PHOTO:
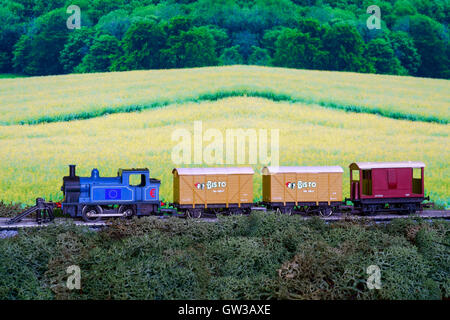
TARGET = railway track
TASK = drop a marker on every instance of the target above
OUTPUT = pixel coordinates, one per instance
(31, 222)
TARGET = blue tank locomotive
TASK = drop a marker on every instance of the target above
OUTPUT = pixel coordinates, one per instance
(95, 197)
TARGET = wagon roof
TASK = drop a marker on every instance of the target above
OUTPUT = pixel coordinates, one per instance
(212, 171)
(380, 165)
(329, 169)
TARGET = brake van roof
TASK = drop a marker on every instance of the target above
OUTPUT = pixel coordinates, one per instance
(387, 165)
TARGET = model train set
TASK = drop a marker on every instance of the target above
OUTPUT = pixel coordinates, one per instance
(375, 187)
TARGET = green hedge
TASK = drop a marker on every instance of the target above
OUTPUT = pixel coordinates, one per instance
(264, 256)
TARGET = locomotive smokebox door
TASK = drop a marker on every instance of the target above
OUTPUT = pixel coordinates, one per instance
(71, 189)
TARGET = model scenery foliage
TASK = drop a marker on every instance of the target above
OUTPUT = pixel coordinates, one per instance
(263, 256)
(158, 34)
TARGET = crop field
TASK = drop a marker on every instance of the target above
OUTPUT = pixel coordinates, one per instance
(35, 157)
(62, 98)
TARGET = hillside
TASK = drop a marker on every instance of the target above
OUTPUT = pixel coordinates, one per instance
(398, 37)
(62, 98)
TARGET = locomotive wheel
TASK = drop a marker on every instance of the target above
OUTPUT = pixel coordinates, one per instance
(194, 213)
(326, 211)
(88, 211)
(127, 210)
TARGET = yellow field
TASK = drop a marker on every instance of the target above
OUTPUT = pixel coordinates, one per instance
(38, 99)
(35, 157)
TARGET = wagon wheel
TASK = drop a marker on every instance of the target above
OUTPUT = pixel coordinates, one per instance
(412, 209)
(194, 213)
(219, 212)
(326, 212)
(365, 209)
(373, 209)
(307, 210)
(88, 211)
(287, 211)
(236, 212)
(127, 211)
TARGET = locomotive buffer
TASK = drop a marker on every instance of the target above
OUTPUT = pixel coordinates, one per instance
(44, 212)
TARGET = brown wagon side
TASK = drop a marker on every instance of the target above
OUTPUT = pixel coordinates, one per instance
(196, 190)
(387, 186)
(317, 188)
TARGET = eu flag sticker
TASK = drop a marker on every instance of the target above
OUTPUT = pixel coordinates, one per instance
(113, 194)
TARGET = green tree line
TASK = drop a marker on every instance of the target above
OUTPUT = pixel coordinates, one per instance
(119, 35)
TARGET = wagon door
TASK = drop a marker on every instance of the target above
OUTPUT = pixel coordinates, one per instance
(216, 188)
(199, 190)
(404, 182)
(245, 188)
(233, 189)
(322, 187)
(307, 187)
(392, 178)
(186, 189)
(290, 187)
(277, 188)
(335, 186)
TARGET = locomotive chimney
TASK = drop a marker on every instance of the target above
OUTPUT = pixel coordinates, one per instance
(72, 170)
